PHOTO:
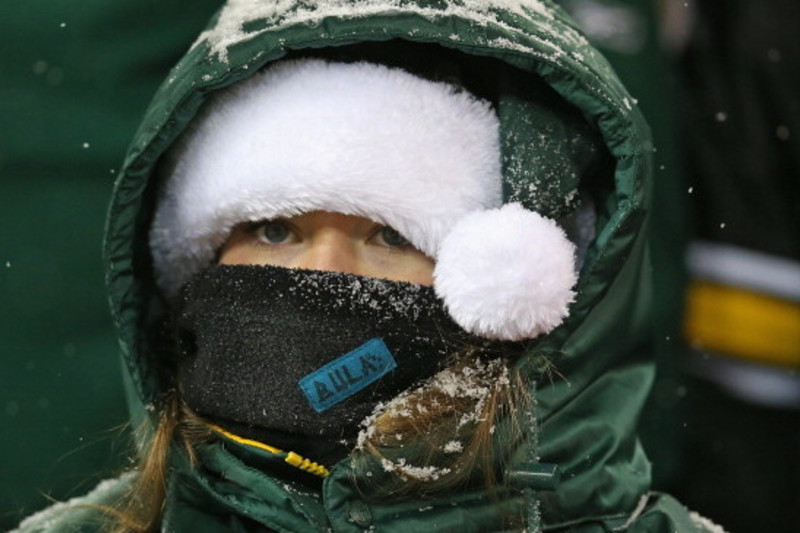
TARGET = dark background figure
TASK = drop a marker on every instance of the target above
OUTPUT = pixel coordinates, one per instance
(741, 71)
(74, 80)
(721, 90)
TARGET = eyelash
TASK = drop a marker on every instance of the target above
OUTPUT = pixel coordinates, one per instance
(257, 229)
(379, 232)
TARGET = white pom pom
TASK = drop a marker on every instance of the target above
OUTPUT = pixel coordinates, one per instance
(506, 273)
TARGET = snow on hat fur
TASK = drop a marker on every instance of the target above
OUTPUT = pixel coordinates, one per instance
(363, 139)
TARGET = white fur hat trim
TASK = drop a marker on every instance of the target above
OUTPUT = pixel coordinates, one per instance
(359, 139)
(506, 273)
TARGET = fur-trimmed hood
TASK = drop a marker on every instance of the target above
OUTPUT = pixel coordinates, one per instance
(590, 374)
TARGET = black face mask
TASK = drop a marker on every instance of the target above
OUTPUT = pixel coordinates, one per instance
(298, 358)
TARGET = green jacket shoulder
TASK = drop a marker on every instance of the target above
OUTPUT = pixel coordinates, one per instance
(83, 514)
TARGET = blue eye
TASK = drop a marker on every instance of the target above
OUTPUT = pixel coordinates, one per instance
(392, 237)
(274, 231)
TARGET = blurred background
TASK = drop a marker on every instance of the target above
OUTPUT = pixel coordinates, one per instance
(74, 79)
(719, 84)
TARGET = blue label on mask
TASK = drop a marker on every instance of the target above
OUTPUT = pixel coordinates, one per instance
(345, 376)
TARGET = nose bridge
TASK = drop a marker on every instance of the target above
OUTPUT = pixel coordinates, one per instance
(332, 251)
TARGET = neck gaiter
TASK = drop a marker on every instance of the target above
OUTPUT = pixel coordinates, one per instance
(298, 358)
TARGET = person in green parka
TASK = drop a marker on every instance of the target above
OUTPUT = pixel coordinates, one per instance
(381, 266)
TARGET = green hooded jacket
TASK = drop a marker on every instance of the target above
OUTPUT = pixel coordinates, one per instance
(580, 466)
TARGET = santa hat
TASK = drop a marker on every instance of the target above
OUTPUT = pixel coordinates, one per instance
(363, 139)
